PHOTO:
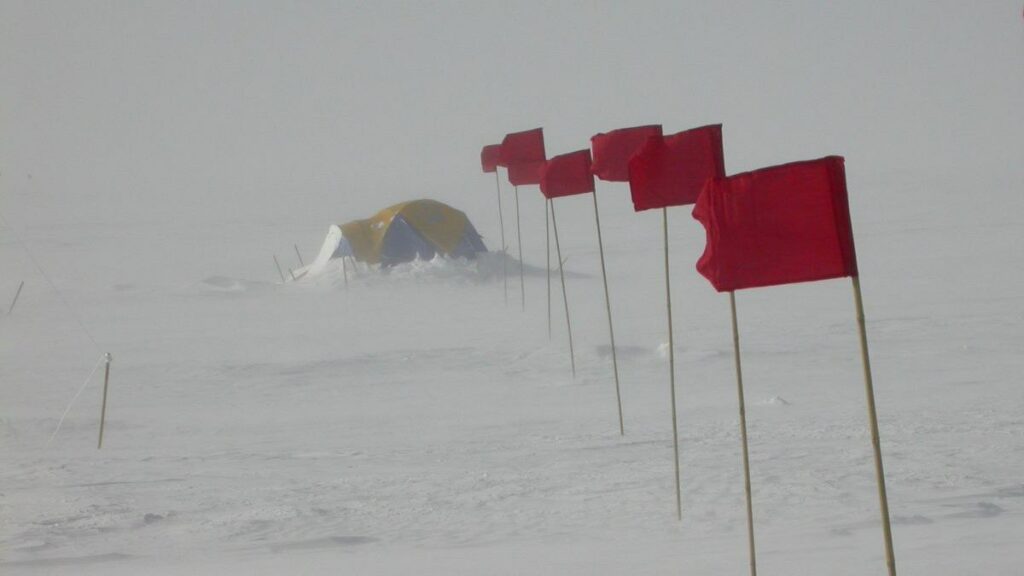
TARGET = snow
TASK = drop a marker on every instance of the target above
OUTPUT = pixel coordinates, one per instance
(414, 422)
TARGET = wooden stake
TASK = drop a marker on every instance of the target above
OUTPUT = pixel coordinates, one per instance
(278, 264)
(743, 435)
(301, 263)
(103, 409)
(18, 293)
(565, 296)
(519, 238)
(501, 224)
(344, 271)
(608, 305)
(672, 368)
(547, 249)
(883, 500)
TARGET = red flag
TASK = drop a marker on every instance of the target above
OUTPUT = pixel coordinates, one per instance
(522, 147)
(489, 157)
(777, 225)
(525, 173)
(672, 170)
(613, 150)
(567, 174)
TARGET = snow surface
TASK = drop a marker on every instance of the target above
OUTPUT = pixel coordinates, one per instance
(415, 423)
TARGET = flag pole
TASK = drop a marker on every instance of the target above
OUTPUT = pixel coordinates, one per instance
(547, 249)
(608, 305)
(883, 500)
(672, 367)
(519, 239)
(501, 224)
(565, 296)
(743, 434)
(103, 409)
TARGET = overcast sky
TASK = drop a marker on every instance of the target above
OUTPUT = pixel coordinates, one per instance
(218, 110)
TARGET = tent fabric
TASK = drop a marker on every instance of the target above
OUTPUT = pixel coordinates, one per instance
(411, 230)
(777, 225)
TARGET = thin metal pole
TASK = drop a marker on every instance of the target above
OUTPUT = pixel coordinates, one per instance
(103, 410)
(672, 368)
(292, 274)
(565, 296)
(547, 249)
(344, 271)
(501, 224)
(301, 263)
(18, 293)
(519, 238)
(278, 264)
(883, 500)
(608, 305)
(743, 435)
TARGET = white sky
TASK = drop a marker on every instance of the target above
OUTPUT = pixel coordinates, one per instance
(207, 111)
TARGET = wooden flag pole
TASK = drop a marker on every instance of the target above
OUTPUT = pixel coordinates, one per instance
(547, 249)
(519, 239)
(883, 500)
(501, 225)
(743, 434)
(608, 305)
(672, 367)
(278, 264)
(20, 286)
(565, 296)
(296, 246)
(103, 409)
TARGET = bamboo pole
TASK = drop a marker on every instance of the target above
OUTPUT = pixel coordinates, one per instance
(103, 409)
(519, 239)
(743, 435)
(565, 296)
(547, 250)
(279, 272)
(22, 284)
(296, 246)
(501, 225)
(672, 368)
(883, 500)
(608, 305)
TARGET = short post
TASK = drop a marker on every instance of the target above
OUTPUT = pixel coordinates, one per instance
(883, 500)
(15, 301)
(301, 263)
(672, 368)
(103, 409)
(565, 296)
(743, 435)
(278, 264)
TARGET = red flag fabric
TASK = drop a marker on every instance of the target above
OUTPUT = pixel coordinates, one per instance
(672, 170)
(522, 147)
(567, 174)
(777, 225)
(489, 157)
(613, 150)
(525, 173)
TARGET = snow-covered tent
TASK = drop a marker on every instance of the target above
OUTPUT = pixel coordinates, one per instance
(401, 233)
